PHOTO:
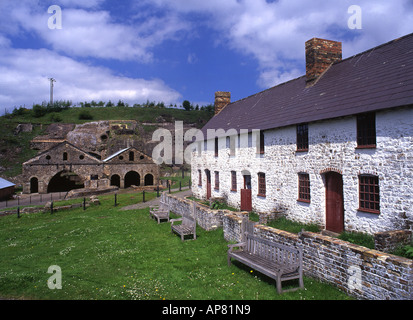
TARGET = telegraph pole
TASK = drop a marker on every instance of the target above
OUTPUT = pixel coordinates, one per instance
(51, 90)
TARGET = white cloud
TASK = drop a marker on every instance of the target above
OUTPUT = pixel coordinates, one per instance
(25, 74)
(274, 33)
(94, 33)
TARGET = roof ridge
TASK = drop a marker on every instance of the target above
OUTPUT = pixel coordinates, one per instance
(375, 48)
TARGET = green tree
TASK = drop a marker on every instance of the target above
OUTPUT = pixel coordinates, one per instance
(187, 105)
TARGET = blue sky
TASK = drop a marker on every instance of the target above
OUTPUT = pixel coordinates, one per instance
(175, 50)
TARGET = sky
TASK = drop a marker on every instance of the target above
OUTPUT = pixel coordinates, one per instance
(174, 50)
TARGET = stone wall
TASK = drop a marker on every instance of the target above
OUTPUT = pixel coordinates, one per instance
(332, 147)
(389, 240)
(206, 218)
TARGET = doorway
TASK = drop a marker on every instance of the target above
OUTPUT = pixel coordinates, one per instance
(208, 186)
(246, 194)
(334, 202)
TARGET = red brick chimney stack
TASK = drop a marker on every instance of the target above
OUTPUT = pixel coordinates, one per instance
(222, 99)
(320, 54)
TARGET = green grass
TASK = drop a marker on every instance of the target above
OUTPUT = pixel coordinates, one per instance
(71, 115)
(108, 253)
(360, 239)
(292, 226)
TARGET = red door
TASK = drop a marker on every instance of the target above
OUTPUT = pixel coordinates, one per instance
(246, 194)
(334, 202)
(208, 186)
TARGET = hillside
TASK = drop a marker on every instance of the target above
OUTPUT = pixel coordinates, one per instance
(101, 130)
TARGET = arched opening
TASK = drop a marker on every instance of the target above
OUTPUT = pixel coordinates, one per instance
(65, 181)
(149, 180)
(132, 178)
(115, 181)
(34, 185)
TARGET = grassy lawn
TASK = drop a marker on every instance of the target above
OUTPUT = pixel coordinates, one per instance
(107, 253)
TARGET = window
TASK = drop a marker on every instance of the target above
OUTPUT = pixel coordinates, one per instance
(64, 156)
(199, 178)
(233, 181)
(262, 145)
(216, 180)
(131, 156)
(304, 187)
(366, 130)
(369, 194)
(302, 137)
(261, 184)
(216, 147)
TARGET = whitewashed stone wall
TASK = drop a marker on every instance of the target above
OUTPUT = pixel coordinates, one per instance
(332, 147)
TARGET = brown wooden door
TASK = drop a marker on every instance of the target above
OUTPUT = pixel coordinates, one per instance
(208, 186)
(246, 194)
(334, 202)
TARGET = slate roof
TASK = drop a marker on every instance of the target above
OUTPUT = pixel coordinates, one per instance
(376, 79)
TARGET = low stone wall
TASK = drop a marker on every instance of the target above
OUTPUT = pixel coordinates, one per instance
(206, 218)
(389, 240)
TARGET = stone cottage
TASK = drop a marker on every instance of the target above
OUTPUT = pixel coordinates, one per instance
(333, 147)
(65, 167)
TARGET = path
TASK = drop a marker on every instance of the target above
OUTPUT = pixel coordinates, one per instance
(155, 201)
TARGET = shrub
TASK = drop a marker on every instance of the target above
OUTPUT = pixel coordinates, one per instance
(85, 115)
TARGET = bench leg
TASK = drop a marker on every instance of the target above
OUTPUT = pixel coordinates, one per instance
(301, 282)
(279, 286)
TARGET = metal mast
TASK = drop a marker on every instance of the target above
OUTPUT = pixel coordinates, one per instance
(51, 90)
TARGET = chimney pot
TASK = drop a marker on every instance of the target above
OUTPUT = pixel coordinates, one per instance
(222, 99)
(320, 54)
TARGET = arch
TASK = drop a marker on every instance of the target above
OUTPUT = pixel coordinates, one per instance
(64, 181)
(115, 180)
(132, 178)
(149, 179)
(34, 185)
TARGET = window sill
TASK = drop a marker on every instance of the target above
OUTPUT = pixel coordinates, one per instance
(233, 190)
(301, 150)
(368, 210)
(304, 200)
(261, 195)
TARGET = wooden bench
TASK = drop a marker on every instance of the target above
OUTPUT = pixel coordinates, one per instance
(277, 261)
(188, 225)
(159, 212)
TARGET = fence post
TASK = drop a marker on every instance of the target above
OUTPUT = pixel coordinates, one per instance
(84, 203)
(18, 212)
(116, 195)
(143, 195)
(51, 207)
(157, 191)
(179, 185)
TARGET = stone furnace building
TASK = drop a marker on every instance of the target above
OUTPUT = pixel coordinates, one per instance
(65, 167)
(333, 147)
